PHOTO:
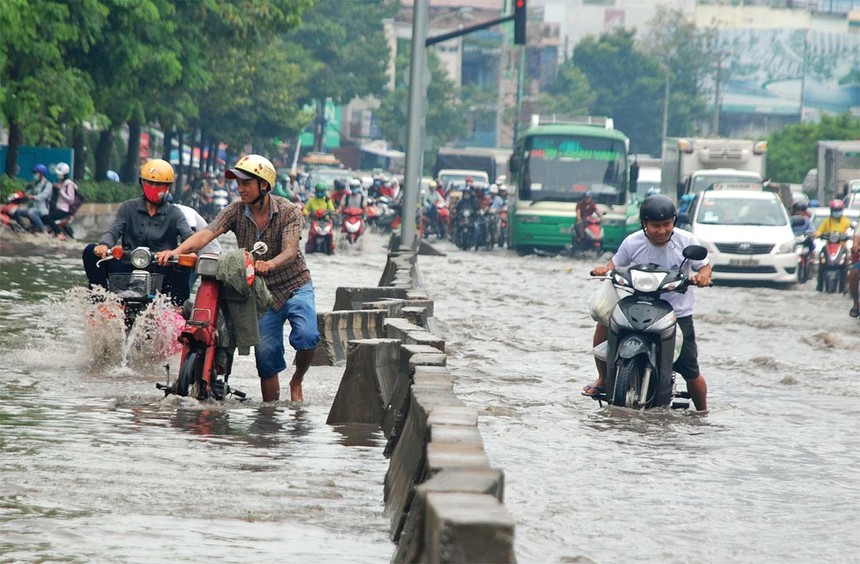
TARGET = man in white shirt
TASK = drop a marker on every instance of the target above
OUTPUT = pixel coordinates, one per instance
(662, 244)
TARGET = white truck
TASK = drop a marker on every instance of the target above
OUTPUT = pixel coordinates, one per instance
(691, 165)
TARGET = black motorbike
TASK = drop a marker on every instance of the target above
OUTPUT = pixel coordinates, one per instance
(466, 229)
(643, 330)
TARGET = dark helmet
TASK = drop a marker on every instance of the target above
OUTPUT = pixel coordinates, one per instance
(657, 208)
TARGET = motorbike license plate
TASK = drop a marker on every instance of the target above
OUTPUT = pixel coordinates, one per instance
(743, 262)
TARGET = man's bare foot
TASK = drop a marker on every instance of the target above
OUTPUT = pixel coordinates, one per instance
(593, 389)
(296, 391)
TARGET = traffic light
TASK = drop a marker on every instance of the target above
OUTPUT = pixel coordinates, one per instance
(519, 22)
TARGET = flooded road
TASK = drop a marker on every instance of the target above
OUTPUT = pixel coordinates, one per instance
(770, 474)
(95, 467)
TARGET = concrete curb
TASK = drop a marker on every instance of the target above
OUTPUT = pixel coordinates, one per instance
(443, 498)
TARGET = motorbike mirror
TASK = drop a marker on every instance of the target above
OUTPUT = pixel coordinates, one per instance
(684, 219)
(797, 220)
(695, 252)
(260, 248)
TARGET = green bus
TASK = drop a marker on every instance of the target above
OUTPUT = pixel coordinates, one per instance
(552, 167)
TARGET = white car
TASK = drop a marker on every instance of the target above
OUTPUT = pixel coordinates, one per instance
(748, 235)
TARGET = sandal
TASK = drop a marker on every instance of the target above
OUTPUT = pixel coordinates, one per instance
(592, 391)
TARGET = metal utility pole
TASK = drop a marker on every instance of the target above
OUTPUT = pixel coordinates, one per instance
(415, 124)
(715, 122)
(665, 128)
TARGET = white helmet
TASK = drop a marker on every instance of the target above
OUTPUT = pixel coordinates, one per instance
(494, 188)
(62, 169)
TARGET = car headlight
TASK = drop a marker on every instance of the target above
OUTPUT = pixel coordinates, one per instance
(788, 246)
(141, 258)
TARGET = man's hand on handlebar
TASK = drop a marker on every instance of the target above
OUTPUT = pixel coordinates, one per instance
(263, 266)
(602, 270)
(701, 279)
(101, 251)
(163, 257)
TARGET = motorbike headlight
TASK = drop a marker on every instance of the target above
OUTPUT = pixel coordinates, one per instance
(141, 258)
(788, 246)
(646, 281)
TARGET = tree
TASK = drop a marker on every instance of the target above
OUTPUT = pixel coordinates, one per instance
(685, 50)
(627, 85)
(793, 150)
(570, 94)
(39, 92)
(348, 42)
(446, 116)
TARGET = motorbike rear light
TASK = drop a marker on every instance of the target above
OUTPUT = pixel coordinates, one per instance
(117, 252)
(207, 266)
(188, 260)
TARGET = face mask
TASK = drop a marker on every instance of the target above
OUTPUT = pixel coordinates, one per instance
(320, 194)
(154, 194)
(36, 177)
(837, 214)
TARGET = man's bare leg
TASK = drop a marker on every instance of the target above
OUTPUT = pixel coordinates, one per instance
(698, 390)
(601, 334)
(303, 362)
(271, 388)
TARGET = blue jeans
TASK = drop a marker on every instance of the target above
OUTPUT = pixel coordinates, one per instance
(300, 311)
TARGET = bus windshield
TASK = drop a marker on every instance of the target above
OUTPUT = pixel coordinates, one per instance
(563, 168)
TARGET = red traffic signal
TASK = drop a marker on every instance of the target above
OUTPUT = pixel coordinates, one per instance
(519, 22)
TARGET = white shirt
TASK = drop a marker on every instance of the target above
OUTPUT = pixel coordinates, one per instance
(638, 249)
(196, 222)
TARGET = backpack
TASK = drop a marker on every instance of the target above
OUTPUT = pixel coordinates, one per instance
(77, 202)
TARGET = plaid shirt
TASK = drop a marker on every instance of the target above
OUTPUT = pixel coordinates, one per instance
(284, 224)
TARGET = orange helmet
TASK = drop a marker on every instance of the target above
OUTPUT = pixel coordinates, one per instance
(157, 170)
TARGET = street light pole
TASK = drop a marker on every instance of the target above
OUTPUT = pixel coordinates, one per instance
(415, 124)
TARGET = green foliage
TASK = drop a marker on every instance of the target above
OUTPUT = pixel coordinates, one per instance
(793, 150)
(569, 95)
(685, 50)
(627, 85)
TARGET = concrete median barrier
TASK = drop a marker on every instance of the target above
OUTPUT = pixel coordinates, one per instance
(443, 499)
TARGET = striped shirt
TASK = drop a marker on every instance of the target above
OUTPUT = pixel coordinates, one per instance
(284, 224)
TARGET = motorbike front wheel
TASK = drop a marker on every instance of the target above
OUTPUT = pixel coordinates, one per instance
(627, 382)
(190, 380)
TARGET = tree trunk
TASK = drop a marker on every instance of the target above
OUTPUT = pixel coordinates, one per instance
(131, 163)
(193, 145)
(180, 168)
(168, 144)
(213, 155)
(320, 127)
(103, 153)
(16, 139)
(80, 149)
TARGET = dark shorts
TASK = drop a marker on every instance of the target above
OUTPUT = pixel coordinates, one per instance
(687, 364)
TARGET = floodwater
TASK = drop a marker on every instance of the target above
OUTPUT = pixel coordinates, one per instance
(769, 474)
(96, 467)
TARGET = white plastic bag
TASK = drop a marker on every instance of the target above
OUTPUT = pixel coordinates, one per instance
(602, 302)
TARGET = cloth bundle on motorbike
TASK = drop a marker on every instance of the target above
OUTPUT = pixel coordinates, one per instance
(243, 305)
(602, 302)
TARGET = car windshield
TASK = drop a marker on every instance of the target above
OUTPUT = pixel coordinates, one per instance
(564, 168)
(459, 179)
(741, 211)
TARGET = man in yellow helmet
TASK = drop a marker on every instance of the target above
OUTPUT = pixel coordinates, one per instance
(149, 221)
(260, 216)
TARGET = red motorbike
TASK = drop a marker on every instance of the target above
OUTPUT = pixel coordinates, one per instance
(833, 264)
(321, 233)
(9, 211)
(203, 362)
(592, 235)
(352, 224)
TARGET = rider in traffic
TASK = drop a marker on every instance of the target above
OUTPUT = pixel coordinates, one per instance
(661, 243)
(585, 207)
(320, 201)
(257, 216)
(836, 222)
(150, 221)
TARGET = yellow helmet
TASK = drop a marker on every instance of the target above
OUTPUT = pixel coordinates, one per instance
(157, 170)
(253, 166)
